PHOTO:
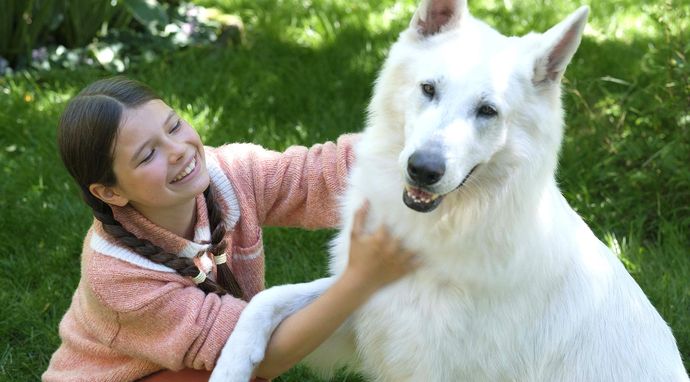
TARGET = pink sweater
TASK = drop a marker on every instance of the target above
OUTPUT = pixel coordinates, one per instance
(130, 317)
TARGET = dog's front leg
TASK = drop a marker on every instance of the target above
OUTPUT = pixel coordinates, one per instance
(247, 343)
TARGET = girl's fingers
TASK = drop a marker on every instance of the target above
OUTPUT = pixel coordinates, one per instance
(360, 219)
(382, 236)
(408, 259)
(413, 261)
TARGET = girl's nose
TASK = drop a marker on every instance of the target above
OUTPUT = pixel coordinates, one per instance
(176, 151)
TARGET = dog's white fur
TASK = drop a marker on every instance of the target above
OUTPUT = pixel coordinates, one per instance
(514, 286)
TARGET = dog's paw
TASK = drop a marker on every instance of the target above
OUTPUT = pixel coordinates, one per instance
(233, 371)
(241, 354)
(236, 369)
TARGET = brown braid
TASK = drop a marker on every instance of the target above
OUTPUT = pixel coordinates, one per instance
(218, 245)
(145, 248)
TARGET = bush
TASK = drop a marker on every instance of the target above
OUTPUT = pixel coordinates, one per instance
(23, 25)
(28, 25)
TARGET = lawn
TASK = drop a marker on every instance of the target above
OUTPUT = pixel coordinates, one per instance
(303, 75)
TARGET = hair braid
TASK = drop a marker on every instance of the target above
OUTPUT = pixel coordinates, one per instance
(218, 245)
(143, 247)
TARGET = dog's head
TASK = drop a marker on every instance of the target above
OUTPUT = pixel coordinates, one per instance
(471, 102)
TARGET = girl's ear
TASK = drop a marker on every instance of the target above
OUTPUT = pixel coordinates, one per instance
(108, 194)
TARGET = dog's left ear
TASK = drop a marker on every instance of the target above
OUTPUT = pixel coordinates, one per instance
(436, 16)
(559, 43)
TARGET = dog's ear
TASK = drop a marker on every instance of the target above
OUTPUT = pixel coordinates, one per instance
(559, 45)
(435, 16)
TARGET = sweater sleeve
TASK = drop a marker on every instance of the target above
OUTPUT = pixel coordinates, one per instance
(300, 187)
(163, 318)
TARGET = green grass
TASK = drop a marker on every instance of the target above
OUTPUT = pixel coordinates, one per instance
(304, 75)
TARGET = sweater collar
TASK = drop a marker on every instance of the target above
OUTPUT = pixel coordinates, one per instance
(139, 225)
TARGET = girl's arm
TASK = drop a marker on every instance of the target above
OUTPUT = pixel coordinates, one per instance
(374, 261)
(297, 188)
(300, 334)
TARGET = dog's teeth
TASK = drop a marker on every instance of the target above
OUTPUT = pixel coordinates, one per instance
(419, 196)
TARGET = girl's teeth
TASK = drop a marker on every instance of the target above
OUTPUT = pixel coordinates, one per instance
(186, 171)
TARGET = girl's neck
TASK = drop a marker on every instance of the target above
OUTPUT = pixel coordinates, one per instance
(179, 220)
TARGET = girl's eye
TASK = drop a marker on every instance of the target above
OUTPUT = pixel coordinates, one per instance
(428, 89)
(486, 111)
(177, 126)
(148, 157)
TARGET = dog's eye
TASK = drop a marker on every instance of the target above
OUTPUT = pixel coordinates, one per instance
(486, 111)
(429, 90)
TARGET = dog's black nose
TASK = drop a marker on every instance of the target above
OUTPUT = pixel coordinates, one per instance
(425, 167)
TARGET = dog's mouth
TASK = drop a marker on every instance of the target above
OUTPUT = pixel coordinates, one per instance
(422, 200)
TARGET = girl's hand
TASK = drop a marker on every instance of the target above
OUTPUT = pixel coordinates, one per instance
(377, 258)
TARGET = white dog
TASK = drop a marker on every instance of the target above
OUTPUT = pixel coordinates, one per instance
(458, 159)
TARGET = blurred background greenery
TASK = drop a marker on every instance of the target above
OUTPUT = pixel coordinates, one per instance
(301, 72)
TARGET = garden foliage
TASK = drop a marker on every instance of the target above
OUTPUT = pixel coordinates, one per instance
(66, 33)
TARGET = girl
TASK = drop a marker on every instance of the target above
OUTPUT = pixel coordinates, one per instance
(175, 250)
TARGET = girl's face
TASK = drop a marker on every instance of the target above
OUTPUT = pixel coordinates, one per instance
(158, 160)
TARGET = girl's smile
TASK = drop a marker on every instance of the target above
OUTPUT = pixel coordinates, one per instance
(187, 172)
(159, 166)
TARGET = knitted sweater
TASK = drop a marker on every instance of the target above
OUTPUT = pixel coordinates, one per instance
(130, 317)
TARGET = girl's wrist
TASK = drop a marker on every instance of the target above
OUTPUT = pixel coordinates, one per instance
(362, 283)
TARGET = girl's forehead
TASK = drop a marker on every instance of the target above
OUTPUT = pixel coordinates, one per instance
(139, 123)
(149, 115)
(151, 111)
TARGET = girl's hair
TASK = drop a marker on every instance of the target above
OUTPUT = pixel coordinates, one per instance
(86, 136)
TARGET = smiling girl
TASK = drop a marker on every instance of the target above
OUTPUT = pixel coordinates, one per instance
(175, 251)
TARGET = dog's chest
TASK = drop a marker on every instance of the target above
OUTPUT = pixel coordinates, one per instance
(459, 334)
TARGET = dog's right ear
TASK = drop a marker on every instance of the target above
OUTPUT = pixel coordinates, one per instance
(558, 47)
(436, 16)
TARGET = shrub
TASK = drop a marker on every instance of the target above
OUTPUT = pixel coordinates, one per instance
(24, 24)
(28, 25)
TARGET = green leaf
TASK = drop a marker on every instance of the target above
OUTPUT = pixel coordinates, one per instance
(148, 12)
